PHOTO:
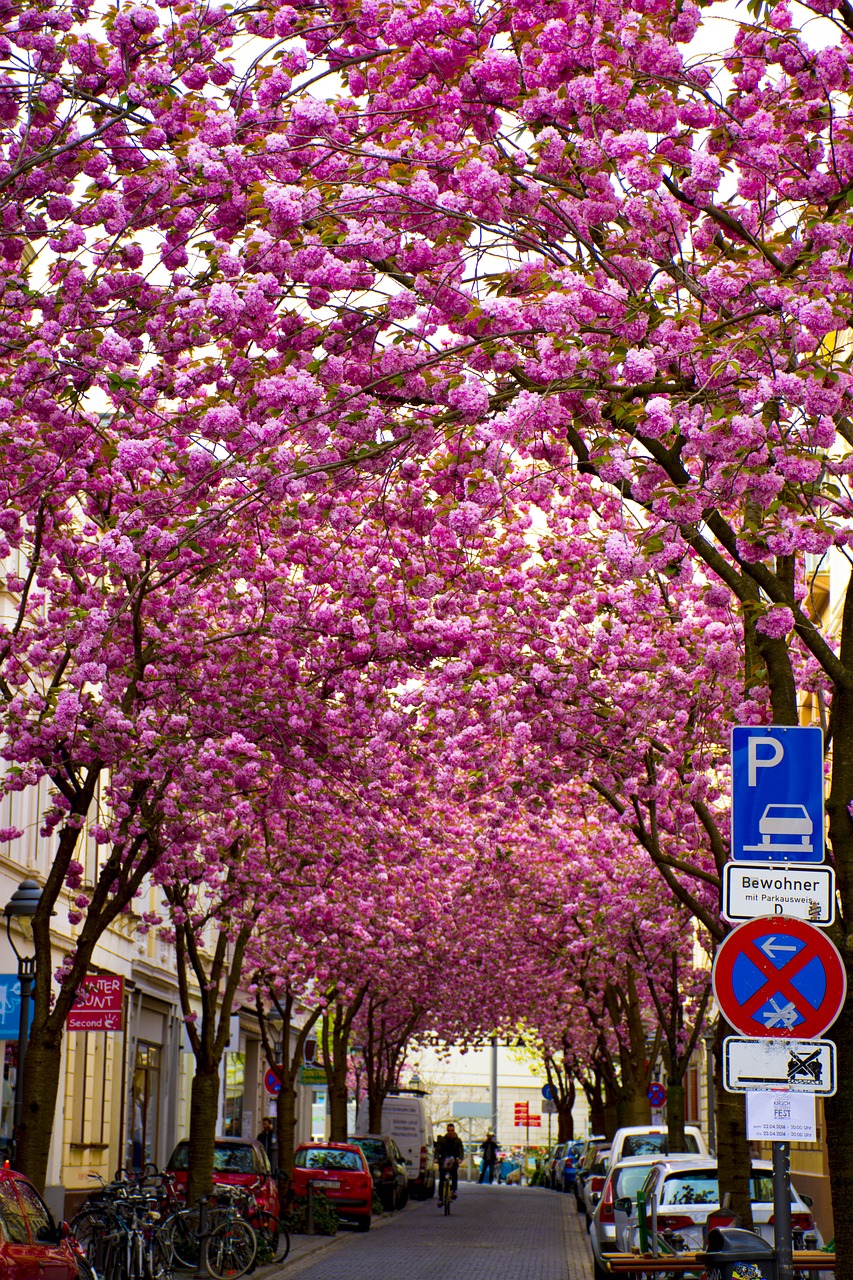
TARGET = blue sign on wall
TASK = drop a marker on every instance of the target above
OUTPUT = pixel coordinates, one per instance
(777, 794)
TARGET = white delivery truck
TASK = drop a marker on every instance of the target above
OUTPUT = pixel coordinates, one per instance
(406, 1120)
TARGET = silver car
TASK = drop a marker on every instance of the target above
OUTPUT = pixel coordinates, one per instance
(624, 1180)
(680, 1195)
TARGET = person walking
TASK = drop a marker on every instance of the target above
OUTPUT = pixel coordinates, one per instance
(266, 1138)
(448, 1147)
(489, 1149)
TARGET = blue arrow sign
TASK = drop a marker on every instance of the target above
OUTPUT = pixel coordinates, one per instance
(777, 794)
(547, 1093)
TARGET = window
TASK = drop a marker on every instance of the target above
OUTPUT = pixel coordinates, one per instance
(233, 1159)
(42, 1226)
(146, 1104)
(324, 1158)
(699, 1187)
(691, 1096)
(650, 1144)
(88, 1109)
(629, 1180)
(12, 1217)
(373, 1148)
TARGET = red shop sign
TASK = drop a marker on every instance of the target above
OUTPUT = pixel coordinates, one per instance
(98, 1005)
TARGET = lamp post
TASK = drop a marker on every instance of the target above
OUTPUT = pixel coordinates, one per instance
(22, 906)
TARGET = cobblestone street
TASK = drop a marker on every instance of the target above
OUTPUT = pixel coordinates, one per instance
(523, 1233)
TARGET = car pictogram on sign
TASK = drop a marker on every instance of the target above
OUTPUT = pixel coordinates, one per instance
(785, 821)
(779, 976)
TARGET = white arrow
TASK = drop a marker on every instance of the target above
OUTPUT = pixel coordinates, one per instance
(770, 946)
(784, 1017)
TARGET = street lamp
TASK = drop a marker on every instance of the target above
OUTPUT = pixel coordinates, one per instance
(22, 906)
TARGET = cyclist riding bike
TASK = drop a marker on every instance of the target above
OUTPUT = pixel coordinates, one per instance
(448, 1152)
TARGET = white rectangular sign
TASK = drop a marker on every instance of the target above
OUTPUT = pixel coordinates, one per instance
(752, 889)
(800, 1066)
(780, 1117)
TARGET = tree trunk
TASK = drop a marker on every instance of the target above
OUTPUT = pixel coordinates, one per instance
(633, 1107)
(204, 1106)
(285, 1123)
(733, 1157)
(609, 1118)
(338, 1102)
(374, 1113)
(675, 1114)
(41, 1090)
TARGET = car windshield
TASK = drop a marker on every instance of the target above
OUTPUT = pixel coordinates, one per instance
(649, 1144)
(701, 1187)
(327, 1158)
(629, 1180)
(233, 1160)
(373, 1148)
(697, 1186)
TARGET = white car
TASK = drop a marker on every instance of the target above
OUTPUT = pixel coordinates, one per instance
(680, 1194)
(653, 1140)
(624, 1180)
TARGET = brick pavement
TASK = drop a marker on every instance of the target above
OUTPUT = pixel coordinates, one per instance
(493, 1233)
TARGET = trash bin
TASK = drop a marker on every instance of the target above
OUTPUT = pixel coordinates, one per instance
(735, 1254)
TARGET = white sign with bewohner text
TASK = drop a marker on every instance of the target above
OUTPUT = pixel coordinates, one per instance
(753, 889)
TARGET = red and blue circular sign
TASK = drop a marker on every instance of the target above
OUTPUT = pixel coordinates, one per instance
(272, 1081)
(779, 977)
(656, 1094)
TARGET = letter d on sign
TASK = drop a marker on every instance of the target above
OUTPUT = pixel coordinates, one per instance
(754, 762)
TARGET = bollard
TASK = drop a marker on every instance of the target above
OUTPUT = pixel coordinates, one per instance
(309, 1217)
(202, 1272)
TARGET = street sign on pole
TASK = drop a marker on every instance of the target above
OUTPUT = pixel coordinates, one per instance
(656, 1094)
(779, 977)
(800, 1066)
(753, 889)
(780, 1118)
(549, 1107)
(777, 794)
(272, 1081)
(547, 1093)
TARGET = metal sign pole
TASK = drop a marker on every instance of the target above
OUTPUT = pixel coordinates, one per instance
(782, 1210)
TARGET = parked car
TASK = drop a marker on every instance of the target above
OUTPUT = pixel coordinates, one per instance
(549, 1164)
(31, 1243)
(649, 1140)
(388, 1168)
(682, 1193)
(593, 1185)
(624, 1179)
(340, 1171)
(404, 1117)
(565, 1168)
(237, 1162)
(593, 1153)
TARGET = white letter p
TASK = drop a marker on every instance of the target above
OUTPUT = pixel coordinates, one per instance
(755, 763)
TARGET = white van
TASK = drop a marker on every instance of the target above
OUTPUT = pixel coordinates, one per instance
(405, 1118)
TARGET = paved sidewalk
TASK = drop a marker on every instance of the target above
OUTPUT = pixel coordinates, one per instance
(524, 1233)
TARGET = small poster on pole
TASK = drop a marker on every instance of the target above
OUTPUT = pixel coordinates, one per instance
(780, 1116)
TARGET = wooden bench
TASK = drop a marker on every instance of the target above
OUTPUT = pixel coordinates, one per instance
(646, 1263)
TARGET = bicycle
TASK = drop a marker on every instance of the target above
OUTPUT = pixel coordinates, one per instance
(232, 1244)
(273, 1236)
(448, 1164)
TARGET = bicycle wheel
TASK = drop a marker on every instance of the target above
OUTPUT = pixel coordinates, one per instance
(446, 1197)
(180, 1232)
(158, 1257)
(273, 1239)
(88, 1228)
(231, 1250)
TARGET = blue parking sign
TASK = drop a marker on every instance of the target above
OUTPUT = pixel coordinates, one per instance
(777, 794)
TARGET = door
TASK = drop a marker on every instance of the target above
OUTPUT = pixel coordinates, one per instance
(146, 1105)
(16, 1250)
(55, 1257)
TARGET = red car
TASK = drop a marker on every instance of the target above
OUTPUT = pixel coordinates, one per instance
(32, 1246)
(340, 1171)
(237, 1162)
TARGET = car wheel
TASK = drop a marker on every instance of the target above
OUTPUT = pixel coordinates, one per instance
(363, 1224)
